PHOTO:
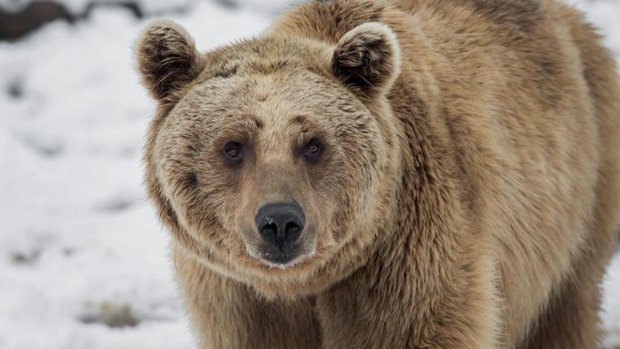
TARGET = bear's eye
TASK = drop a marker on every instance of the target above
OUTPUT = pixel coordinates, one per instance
(312, 150)
(233, 152)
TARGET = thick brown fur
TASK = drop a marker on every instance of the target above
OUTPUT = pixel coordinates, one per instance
(467, 195)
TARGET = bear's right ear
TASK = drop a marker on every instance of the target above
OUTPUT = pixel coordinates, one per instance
(167, 58)
(367, 59)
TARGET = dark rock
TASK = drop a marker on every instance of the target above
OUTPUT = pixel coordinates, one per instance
(111, 315)
(25, 257)
(15, 88)
(14, 25)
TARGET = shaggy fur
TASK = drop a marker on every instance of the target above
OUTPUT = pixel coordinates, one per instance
(467, 194)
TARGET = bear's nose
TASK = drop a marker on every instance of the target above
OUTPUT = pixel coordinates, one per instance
(280, 224)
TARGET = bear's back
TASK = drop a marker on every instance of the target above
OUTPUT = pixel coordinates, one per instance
(518, 99)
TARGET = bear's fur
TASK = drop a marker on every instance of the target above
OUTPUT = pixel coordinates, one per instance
(467, 191)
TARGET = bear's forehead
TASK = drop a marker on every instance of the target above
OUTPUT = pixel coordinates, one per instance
(267, 55)
(286, 94)
(288, 104)
(273, 79)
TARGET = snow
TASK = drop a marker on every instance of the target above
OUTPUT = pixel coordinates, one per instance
(159, 6)
(80, 6)
(83, 259)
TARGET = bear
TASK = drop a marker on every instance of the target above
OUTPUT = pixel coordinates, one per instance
(389, 174)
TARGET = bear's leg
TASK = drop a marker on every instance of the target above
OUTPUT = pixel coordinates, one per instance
(228, 314)
(571, 318)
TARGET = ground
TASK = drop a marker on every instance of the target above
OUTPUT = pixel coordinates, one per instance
(83, 259)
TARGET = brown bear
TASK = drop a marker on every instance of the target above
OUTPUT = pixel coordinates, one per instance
(389, 174)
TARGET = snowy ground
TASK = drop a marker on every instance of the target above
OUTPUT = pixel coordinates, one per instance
(83, 259)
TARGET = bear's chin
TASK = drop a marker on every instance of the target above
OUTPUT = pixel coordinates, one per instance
(298, 278)
(281, 258)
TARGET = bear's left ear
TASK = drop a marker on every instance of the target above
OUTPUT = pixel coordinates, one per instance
(167, 58)
(367, 59)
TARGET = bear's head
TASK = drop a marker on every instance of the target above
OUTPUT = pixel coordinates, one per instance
(273, 160)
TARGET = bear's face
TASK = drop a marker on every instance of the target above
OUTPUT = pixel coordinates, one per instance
(270, 152)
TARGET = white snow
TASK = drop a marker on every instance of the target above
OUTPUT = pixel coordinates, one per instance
(79, 244)
(80, 6)
(160, 6)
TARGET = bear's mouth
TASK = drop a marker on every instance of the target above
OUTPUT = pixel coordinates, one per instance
(280, 257)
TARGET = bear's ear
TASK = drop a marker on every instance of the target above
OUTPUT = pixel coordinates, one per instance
(367, 58)
(167, 58)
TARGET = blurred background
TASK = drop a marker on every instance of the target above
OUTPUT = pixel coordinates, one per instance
(83, 259)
